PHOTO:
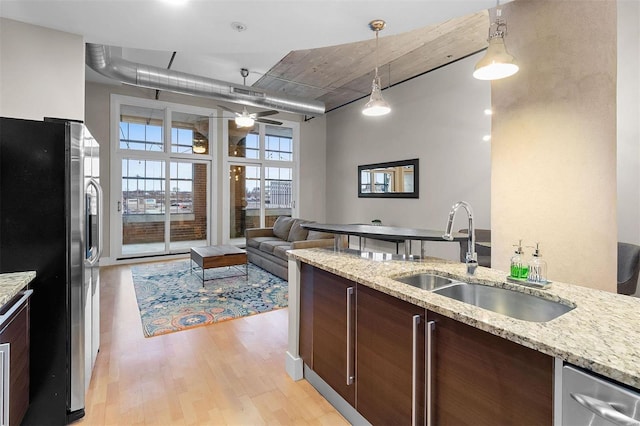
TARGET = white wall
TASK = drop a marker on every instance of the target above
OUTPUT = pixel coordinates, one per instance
(41, 72)
(439, 119)
(313, 165)
(554, 140)
(629, 121)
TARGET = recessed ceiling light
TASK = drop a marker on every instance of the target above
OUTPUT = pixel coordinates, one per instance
(486, 138)
(488, 111)
(238, 26)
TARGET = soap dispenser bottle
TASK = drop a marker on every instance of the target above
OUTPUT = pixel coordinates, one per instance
(537, 267)
(519, 268)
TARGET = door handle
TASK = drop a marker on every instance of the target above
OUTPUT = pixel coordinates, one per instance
(93, 182)
(431, 326)
(604, 410)
(350, 376)
(414, 370)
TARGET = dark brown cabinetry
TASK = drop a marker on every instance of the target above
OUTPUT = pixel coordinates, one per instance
(306, 315)
(482, 379)
(390, 359)
(334, 332)
(14, 346)
(397, 363)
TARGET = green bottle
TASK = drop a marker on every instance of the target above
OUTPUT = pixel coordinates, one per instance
(519, 268)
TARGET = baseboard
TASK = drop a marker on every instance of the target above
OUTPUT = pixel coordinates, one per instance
(109, 261)
(334, 398)
(294, 367)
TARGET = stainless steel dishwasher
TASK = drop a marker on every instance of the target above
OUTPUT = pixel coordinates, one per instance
(588, 399)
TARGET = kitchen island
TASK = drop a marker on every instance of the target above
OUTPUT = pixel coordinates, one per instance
(601, 334)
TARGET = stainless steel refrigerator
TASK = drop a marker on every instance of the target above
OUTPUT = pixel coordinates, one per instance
(50, 222)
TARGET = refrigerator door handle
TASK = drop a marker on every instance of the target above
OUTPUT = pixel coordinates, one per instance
(96, 256)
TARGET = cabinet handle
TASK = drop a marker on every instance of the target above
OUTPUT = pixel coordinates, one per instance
(431, 326)
(414, 369)
(604, 410)
(350, 376)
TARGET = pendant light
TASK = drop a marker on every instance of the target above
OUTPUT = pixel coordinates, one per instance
(199, 145)
(376, 105)
(497, 63)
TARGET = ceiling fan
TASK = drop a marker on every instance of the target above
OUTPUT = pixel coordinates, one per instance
(246, 119)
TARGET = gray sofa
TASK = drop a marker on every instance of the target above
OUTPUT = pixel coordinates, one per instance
(267, 247)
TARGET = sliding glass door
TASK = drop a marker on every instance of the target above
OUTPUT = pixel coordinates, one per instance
(164, 181)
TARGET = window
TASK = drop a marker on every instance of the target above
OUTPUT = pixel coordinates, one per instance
(163, 154)
(262, 170)
(279, 143)
(141, 128)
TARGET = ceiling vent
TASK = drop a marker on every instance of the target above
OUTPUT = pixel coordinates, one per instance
(99, 59)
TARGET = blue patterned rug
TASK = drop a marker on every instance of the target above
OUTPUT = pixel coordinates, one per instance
(171, 298)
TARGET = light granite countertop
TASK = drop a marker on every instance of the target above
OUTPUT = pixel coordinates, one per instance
(11, 283)
(601, 334)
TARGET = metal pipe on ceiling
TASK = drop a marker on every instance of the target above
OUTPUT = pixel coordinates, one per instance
(99, 58)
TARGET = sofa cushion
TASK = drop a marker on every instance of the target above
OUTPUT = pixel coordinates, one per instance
(317, 235)
(297, 232)
(255, 242)
(281, 252)
(282, 226)
(269, 246)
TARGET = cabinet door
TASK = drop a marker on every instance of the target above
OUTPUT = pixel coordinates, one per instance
(306, 314)
(333, 332)
(482, 379)
(16, 334)
(390, 359)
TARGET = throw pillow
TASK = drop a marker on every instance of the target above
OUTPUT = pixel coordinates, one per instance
(298, 233)
(282, 226)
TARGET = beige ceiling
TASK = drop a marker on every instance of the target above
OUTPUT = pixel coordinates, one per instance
(338, 75)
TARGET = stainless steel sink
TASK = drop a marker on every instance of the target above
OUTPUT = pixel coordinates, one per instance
(426, 281)
(506, 302)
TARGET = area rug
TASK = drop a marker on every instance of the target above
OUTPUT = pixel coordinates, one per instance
(171, 298)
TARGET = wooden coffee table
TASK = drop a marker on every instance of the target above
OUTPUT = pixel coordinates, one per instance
(217, 257)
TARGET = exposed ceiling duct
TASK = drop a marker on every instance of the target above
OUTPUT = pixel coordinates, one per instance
(99, 58)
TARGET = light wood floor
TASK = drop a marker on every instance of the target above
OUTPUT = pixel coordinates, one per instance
(230, 373)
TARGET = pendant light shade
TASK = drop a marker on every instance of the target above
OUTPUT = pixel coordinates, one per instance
(497, 63)
(377, 105)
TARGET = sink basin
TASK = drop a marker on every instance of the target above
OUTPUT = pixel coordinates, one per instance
(506, 302)
(426, 281)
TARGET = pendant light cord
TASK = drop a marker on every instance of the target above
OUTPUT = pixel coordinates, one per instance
(377, 58)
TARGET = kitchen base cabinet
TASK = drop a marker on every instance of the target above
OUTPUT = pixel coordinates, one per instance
(306, 315)
(390, 361)
(334, 332)
(14, 340)
(482, 379)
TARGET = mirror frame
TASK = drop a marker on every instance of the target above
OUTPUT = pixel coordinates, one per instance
(416, 180)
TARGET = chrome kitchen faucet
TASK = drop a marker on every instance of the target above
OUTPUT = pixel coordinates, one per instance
(471, 258)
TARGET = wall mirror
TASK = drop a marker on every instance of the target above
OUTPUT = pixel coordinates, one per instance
(395, 179)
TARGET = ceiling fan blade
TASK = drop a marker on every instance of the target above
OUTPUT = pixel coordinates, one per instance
(264, 113)
(229, 109)
(264, 120)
